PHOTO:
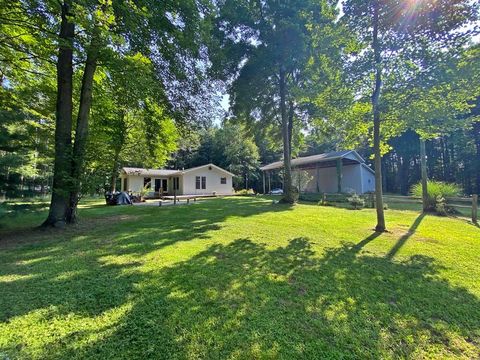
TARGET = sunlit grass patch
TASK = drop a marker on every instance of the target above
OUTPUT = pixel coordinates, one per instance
(242, 278)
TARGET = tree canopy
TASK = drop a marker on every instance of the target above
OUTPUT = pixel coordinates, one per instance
(89, 86)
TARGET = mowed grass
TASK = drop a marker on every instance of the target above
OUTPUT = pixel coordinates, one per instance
(240, 278)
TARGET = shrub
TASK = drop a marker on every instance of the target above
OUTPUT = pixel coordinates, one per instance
(441, 208)
(144, 191)
(325, 203)
(356, 201)
(245, 192)
(437, 191)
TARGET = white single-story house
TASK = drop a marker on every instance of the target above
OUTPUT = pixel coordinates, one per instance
(333, 172)
(202, 180)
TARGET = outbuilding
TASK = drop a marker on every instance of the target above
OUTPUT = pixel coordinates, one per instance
(333, 172)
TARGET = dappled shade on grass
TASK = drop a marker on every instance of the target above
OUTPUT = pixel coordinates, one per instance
(242, 300)
(230, 279)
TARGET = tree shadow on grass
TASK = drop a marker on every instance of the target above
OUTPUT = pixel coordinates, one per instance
(243, 300)
(93, 267)
(404, 238)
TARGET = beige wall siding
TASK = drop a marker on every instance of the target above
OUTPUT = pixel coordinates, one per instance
(135, 183)
(213, 182)
(323, 180)
(180, 185)
(355, 178)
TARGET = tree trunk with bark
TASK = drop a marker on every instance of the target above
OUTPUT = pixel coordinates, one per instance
(290, 124)
(63, 123)
(117, 148)
(476, 129)
(423, 172)
(114, 173)
(288, 196)
(81, 131)
(380, 227)
(404, 175)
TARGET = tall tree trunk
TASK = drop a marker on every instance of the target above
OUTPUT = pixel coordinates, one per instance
(445, 158)
(380, 227)
(118, 146)
(288, 196)
(476, 129)
(63, 122)
(403, 178)
(423, 172)
(290, 124)
(113, 174)
(81, 131)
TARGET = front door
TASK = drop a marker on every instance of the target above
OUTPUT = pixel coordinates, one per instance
(157, 184)
(164, 185)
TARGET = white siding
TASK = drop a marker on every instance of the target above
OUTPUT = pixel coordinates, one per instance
(213, 184)
(368, 180)
(180, 185)
(352, 178)
(135, 183)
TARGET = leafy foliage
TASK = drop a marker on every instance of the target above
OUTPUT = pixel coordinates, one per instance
(356, 201)
(437, 192)
(230, 147)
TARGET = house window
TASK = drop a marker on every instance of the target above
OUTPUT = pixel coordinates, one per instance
(223, 180)
(125, 184)
(147, 182)
(204, 182)
(197, 182)
(176, 183)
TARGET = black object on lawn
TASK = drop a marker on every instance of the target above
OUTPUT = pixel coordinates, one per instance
(119, 198)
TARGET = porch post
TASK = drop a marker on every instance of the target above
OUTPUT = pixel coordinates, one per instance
(174, 192)
(339, 175)
(263, 176)
(269, 183)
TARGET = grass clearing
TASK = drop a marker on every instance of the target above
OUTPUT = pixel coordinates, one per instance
(240, 278)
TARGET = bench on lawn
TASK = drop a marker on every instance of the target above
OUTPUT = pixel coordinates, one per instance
(184, 197)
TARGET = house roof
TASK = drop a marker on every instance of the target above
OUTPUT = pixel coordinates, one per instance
(165, 172)
(334, 155)
(368, 168)
(207, 165)
(148, 172)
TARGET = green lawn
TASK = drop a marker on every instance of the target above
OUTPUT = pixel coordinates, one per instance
(239, 278)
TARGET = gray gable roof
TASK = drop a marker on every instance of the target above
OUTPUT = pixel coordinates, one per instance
(148, 172)
(208, 165)
(334, 155)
